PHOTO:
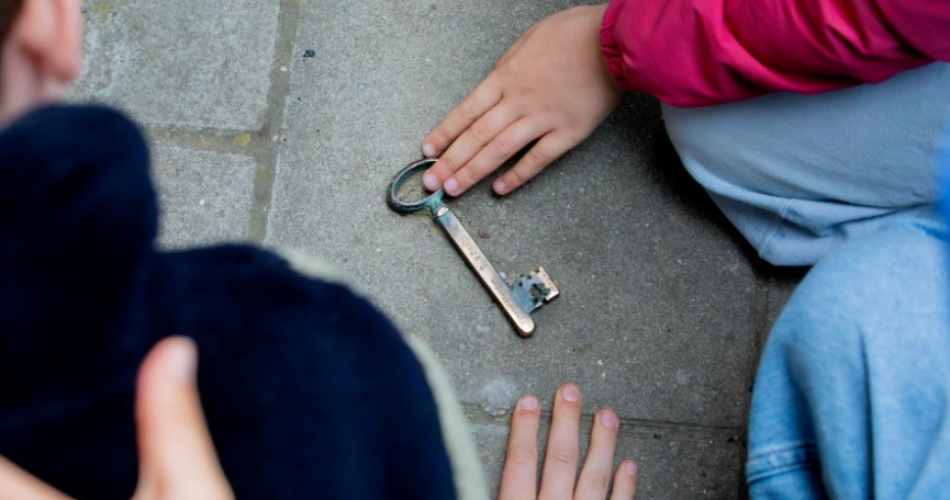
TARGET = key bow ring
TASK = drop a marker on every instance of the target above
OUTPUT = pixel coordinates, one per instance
(433, 202)
(518, 300)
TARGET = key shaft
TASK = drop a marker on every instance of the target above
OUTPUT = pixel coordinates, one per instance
(485, 271)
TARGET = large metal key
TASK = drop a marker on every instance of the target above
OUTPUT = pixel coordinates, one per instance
(528, 293)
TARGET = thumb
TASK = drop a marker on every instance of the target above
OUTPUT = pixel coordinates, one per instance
(18, 484)
(177, 460)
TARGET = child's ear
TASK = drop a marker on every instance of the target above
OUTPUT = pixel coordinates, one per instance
(50, 33)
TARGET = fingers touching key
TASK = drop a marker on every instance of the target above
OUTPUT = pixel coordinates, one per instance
(560, 463)
(552, 86)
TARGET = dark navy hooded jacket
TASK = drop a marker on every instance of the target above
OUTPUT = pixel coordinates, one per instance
(309, 392)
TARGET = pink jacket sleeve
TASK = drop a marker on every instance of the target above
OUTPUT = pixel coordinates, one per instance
(703, 52)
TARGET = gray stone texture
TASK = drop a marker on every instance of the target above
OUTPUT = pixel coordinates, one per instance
(204, 197)
(202, 63)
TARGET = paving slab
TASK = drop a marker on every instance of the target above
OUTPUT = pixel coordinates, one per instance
(668, 470)
(205, 197)
(654, 317)
(200, 63)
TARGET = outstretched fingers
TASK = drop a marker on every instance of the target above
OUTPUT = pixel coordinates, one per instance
(561, 455)
(519, 479)
(482, 99)
(625, 481)
(497, 152)
(548, 149)
(595, 476)
(449, 167)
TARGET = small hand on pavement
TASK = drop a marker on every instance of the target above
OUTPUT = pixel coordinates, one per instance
(177, 460)
(519, 480)
(552, 86)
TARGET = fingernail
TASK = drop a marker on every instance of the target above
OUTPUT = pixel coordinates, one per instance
(530, 403)
(431, 182)
(571, 394)
(500, 187)
(428, 150)
(451, 186)
(631, 468)
(609, 419)
(182, 360)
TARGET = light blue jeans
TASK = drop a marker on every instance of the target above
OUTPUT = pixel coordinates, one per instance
(799, 175)
(852, 397)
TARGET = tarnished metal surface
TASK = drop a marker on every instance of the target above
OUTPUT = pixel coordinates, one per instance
(533, 290)
(529, 292)
(486, 272)
(433, 202)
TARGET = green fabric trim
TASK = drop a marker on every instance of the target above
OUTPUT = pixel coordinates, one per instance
(310, 266)
(467, 470)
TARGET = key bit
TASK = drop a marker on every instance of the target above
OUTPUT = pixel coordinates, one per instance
(535, 289)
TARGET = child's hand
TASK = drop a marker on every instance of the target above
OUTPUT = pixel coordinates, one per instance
(177, 460)
(519, 479)
(552, 86)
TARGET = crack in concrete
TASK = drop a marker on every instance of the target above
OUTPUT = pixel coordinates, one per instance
(224, 141)
(642, 429)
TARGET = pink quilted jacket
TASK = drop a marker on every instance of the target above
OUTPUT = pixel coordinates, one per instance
(704, 52)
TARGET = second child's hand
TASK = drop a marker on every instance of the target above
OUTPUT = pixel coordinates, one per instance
(519, 479)
(552, 86)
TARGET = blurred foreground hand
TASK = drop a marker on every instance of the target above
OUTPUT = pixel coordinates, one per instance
(177, 460)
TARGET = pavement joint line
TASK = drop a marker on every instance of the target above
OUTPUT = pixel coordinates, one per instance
(266, 174)
(258, 144)
(644, 429)
(209, 139)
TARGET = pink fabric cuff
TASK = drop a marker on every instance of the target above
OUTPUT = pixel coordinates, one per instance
(608, 43)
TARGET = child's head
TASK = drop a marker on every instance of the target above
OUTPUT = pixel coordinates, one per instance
(40, 56)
